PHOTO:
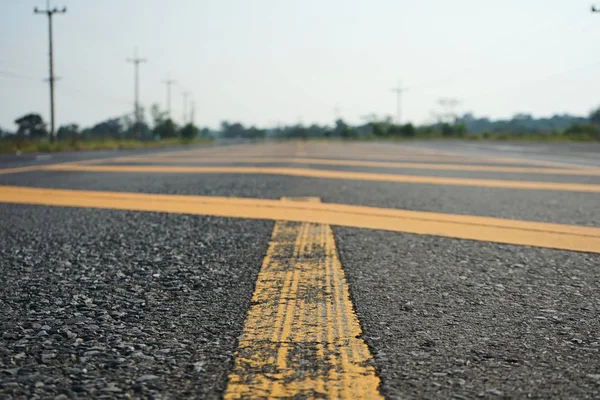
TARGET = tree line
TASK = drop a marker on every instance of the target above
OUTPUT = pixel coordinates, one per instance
(32, 127)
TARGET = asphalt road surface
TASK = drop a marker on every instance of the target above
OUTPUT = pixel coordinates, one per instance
(302, 270)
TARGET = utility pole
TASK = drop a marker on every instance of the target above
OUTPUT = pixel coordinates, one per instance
(398, 90)
(193, 111)
(185, 99)
(337, 112)
(449, 104)
(136, 108)
(50, 12)
(169, 82)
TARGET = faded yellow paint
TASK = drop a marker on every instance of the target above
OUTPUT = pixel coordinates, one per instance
(527, 233)
(301, 338)
(315, 155)
(330, 174)
(300, 149)
(395, 151)
(201, 152)
(19, 169)
(204, 151)
(373, 164)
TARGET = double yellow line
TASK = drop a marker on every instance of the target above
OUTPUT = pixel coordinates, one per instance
(301, 338)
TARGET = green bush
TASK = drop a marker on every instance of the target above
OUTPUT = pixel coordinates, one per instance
(189, 131)
(44, 146)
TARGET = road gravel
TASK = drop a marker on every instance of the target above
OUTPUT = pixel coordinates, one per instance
(113, 304)
(118, 304)
(449, 318)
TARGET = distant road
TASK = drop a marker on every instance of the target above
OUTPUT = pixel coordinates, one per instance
(24, 159)
(577, 153)
(306, 269)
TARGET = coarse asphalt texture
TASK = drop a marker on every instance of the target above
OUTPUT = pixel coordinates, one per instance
(124, 304)
(109, 303)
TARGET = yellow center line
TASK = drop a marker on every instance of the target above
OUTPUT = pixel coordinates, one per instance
(286, 327)
(540, 234)
(331, 174)
(376, 164)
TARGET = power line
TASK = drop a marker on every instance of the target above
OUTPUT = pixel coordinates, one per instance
(95, 95)
(50, 12)
(21, 67)
(136, 61)
(9, 74)
(66, 89)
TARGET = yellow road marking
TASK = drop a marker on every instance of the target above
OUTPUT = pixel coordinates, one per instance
(300, 149)
(376, 164)
(345, 156)
(19, 169)
(327, 156)
(470, 159)
(566, 237)
(301, 338)
(444, 157)
(330, 174)
(199, 151)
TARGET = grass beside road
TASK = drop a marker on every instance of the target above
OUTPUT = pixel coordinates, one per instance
(44, 146)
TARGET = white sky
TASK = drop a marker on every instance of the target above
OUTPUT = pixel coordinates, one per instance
(283, 61)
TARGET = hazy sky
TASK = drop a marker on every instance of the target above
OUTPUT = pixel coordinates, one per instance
(283, 61)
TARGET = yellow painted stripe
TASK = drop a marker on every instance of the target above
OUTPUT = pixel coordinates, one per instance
(301, 338)
(301, 149)
(375, 164)
(566, 237)
(19, 169)
(204, 151)
(330, 174)
(199, 151)
(345, 156)
(342, 154)
(446, 157)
